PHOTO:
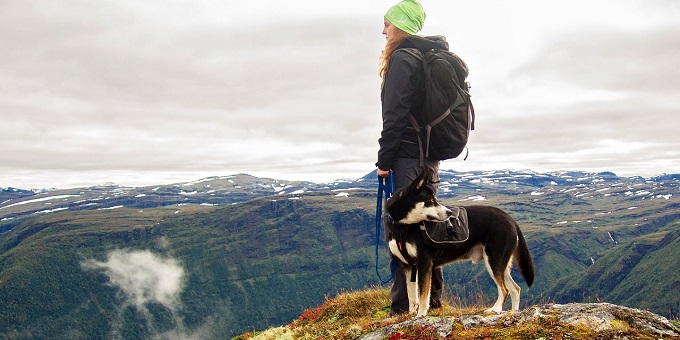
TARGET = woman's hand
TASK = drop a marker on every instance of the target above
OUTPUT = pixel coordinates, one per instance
(383, 173)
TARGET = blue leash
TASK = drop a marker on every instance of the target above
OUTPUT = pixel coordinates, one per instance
(385, 186)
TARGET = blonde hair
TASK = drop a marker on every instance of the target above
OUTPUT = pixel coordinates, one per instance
(392, 43)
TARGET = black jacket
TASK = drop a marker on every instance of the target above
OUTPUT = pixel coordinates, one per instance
(403, 93)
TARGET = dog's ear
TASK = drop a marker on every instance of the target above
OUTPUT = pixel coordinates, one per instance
(420, 180)
(423, 178)
(419, 183)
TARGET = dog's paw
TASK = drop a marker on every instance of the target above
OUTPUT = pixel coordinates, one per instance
(421, 314)
(493, 311)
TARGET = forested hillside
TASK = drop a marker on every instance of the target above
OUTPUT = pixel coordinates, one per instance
(145, 264)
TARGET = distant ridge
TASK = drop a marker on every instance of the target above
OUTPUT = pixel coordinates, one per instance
(219, 190)
(256, 252)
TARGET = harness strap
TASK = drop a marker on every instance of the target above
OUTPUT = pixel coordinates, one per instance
(416, 127)
(429, 130)
(425, 151)
(399, 237)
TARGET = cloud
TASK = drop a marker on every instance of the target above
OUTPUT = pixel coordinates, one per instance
(143, 277)
(592, 96)
(637, 63)
(292, 92)
(122, 94)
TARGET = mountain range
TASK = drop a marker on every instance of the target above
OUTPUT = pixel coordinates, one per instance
(223, 255)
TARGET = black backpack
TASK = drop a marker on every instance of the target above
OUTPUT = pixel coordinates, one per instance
(448, 115)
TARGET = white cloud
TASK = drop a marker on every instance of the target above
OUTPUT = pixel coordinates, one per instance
(116, 90)
(143, 276)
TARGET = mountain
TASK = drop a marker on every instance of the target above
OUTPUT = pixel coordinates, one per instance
(223, 255)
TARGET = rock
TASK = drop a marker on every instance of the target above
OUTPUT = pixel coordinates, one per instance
(442, 326)
(598, 317)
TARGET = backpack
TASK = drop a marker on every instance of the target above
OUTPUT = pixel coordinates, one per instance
(448, 115)
(449, 234)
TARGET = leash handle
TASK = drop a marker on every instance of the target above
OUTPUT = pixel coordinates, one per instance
(386, 187)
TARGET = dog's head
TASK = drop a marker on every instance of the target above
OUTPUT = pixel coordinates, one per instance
(417, 202)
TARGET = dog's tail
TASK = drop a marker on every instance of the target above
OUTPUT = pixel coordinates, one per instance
(523, 258)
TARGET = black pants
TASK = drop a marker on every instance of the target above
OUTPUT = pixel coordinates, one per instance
(405, 172)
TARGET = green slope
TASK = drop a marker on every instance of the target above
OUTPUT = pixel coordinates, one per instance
(261, 263)
(643, 273)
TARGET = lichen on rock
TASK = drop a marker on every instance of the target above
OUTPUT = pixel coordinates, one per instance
(596, 317)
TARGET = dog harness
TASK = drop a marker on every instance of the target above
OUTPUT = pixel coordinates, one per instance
(400, 237)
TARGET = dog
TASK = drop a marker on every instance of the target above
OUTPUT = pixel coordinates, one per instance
(494, 237)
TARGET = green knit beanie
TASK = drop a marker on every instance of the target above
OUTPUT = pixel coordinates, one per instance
(407, 15)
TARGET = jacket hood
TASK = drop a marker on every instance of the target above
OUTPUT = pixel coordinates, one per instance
(424, 44)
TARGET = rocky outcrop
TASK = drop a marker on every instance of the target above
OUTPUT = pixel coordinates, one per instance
(599, 317)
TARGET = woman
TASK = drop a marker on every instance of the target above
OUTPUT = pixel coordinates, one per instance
(403, 94)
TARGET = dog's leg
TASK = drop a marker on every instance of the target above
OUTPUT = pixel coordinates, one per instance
(499, 279)
(424, 287)
(411, 289)
(513, 287)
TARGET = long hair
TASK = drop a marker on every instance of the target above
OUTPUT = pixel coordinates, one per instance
(392, 43)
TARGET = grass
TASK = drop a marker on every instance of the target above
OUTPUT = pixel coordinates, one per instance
(353, 314)
(344, 317)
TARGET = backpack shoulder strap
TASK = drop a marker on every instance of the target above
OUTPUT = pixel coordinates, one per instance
(420, 57)
(417, 127)
(413, 51)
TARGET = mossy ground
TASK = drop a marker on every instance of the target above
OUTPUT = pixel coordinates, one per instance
(352, 314)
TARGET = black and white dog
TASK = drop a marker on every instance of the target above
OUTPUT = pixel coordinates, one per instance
(494, 237)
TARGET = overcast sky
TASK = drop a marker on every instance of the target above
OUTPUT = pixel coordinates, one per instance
(161, 91)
